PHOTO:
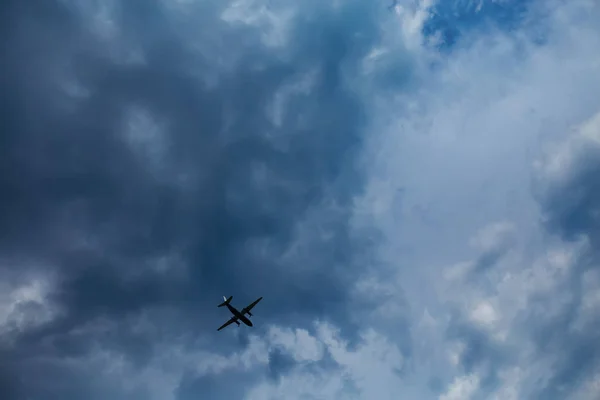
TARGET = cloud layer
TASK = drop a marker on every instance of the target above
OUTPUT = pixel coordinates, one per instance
(418, 207)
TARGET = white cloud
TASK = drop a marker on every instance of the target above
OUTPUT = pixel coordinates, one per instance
(561, 160)
(370, 370)
(493, 236)
(484, 313)
(412, 16)
(25, 304)
(146, 137)
(303, 386)
(462, 388)
(272, 18)
(449, 161)
(279, 109)
(299, 343)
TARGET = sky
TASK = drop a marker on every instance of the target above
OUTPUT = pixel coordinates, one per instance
(412, 186)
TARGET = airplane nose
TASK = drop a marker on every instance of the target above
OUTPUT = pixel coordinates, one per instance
(249, 322)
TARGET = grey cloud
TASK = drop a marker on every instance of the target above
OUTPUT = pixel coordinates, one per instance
(571, 207)
(280, 363)
(77, 200)
(482, 355)
(219, 386)
(569, 200)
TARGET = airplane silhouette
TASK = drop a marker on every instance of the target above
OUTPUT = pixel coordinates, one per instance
(238, 315)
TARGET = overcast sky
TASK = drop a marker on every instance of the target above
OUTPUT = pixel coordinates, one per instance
(413, 187)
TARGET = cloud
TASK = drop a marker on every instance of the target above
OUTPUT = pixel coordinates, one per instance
(488, 243)
(371, 369)
(413, 195)
(462, 388)
(568, 188)
(152, 163)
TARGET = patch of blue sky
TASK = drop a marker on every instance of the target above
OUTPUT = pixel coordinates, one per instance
(452, 21)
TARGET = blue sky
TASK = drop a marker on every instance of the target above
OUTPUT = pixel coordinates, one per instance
(413, 190)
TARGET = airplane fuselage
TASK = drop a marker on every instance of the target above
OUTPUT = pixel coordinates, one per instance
(239, 315)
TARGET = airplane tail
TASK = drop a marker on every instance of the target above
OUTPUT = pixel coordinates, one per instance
(226, 301)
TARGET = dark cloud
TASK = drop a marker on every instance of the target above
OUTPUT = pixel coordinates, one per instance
(571, 207)
(9, 380)
(280, 363)
(577, 359)
(571, 212)
(219, 386)
(79, 202)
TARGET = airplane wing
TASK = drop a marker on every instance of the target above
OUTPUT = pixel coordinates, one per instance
(231, 321)
(248, 308)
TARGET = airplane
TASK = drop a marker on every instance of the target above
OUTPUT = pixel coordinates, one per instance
(238, 315)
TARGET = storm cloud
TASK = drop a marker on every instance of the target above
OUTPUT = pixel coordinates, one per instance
(412, 189)
(141, 180)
